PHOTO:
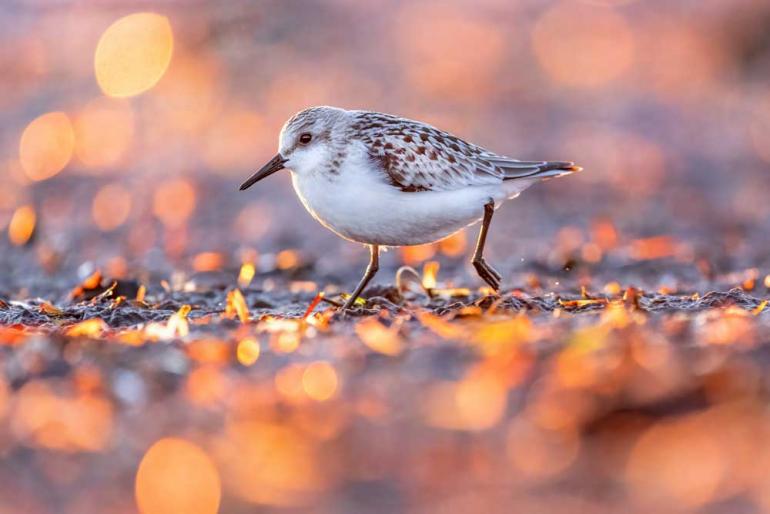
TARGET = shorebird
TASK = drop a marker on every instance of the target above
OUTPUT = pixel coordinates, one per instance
(383, 180)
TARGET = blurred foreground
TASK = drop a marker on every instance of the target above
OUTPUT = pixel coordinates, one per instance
(595, 402)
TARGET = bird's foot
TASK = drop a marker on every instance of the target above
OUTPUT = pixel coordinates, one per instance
(487, 273)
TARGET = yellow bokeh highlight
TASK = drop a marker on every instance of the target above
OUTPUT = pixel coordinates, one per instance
(320, 381)
(285, 342)
(415, 254)
(177, 476)
(475, 403)
(248, 351)
(72, 423)
(481, 402)
(206, 386)
(246, 275)
(104, 130)
(270, 464)
(111, 207)
(455, 245)
(288, 382)
(429, 274)
(174, 202)
(208, 261)
(22, 225)
(287, 259)
(677, 463)
(46, 145)
(133, 54)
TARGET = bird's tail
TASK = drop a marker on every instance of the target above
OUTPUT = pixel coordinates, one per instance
(513, 169)
(556, 169)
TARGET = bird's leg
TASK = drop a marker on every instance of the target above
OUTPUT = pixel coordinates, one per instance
(484, 270)
(371, 270)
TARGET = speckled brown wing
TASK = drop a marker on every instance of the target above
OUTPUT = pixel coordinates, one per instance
(415, 157)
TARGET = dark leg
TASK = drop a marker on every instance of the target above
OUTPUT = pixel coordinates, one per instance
(484, 270)
(371, 270)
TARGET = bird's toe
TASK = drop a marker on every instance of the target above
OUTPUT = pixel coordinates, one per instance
(488, 274)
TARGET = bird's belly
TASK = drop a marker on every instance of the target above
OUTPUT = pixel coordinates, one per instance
(386, 216)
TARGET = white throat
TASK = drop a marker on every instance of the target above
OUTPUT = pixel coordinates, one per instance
(311, 160)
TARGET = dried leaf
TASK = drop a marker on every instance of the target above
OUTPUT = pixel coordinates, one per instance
(140, 293)
(176, 326)
(92, 328)
(184, 311)
(246, 275)
(429, 274)
(51, 310)
(577, 304)
(88, 288)
(104, 294)
(313, 305)
(236, 306)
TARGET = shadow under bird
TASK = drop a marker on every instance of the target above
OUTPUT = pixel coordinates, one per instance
(383, 180)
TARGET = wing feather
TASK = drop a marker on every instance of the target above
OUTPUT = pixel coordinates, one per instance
(418, 157)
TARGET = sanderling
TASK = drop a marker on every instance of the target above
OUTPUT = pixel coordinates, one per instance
(383, 180)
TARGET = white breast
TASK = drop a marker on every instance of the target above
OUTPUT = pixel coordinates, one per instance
(359, 205)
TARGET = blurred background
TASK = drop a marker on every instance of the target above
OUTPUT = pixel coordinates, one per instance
(127, 126)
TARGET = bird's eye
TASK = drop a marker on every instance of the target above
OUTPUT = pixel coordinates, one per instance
(305, 138)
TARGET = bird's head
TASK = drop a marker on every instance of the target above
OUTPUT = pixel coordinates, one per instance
(304, 144)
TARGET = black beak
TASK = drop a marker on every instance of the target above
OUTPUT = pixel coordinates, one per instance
(275, 164)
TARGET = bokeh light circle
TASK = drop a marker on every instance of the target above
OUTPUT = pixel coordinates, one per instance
(177, 476)
(111, 206)
(46, 145)
(133, 54)
(22, 225)
(174, 201)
